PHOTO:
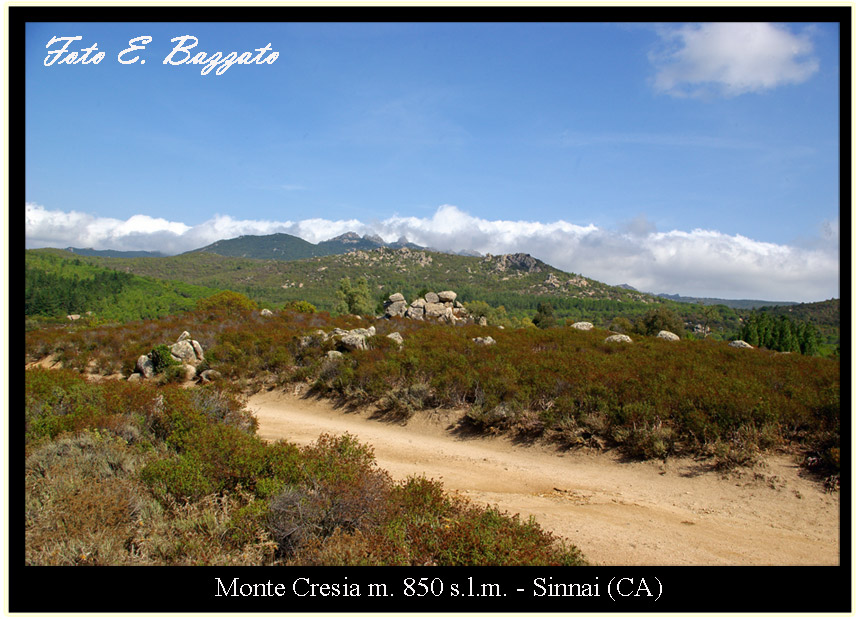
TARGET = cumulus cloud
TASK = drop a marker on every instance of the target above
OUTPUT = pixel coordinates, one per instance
(731, 59)
(696, 263)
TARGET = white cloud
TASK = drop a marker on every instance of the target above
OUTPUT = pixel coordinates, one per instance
(731, 59)
(697, 263)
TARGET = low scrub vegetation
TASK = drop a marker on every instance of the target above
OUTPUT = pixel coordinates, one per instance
(650, 398)
(122, 473)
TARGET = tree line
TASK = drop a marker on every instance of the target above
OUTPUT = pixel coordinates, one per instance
(52, 294)
(780, 333)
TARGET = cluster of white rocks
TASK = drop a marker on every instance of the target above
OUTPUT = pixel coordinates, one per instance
(185, 350)
(347, 340)
(440, 306)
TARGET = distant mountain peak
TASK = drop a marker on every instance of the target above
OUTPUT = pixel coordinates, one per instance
(347, 237)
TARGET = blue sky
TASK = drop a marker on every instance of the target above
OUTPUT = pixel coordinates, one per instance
(701, 159)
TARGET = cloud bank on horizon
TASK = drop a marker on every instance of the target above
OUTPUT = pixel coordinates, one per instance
(704, 263)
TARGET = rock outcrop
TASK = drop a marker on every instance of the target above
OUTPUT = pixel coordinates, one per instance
(583, 326)
(667, 335)
(346, 340)
(438, 306)
(484, 341)
(740, 344)
(519, 262)
(184, 350)
(353, 341)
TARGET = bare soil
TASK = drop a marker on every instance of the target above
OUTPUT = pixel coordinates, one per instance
(617, 512)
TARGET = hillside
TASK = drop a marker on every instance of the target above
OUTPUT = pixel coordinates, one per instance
(113, 253)
(288, 247)
(57, 284)
(518, 282)
(512, 286)
(824, 315)
(733, 303)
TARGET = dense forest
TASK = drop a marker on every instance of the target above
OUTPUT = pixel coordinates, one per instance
(781, 334)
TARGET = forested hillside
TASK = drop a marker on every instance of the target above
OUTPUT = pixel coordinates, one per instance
(508, 289)
(517, 283)
(56, 284)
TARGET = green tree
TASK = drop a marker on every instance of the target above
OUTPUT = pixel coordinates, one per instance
(621, 325)
(809, 340)
(545, 316)
(709, 315)
(354, 298)
(659, 319)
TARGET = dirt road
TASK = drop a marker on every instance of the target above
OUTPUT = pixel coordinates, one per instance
(617, 513)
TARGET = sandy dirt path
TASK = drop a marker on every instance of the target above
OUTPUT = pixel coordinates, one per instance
(617, 513)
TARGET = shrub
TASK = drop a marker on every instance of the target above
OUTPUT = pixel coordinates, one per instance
(341, 491)
(162, 359)
(81, 500)
(405, 400)
(302, 307)
(659, 319)
(621, 325)
(226, 301)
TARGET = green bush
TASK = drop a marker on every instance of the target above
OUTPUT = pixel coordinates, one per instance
(659, 319)
(162, 359)
(226, 301)
(302, 307)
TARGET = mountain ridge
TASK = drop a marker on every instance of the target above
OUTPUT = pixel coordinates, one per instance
(287, 247)
(114, 253)
(283, 246)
